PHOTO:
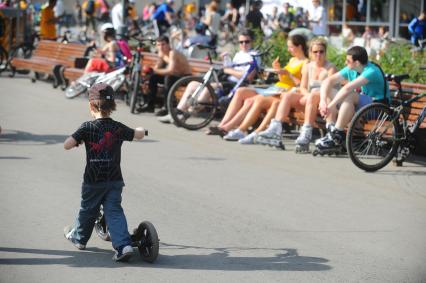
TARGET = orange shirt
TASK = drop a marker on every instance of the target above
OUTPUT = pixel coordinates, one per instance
(47, 23)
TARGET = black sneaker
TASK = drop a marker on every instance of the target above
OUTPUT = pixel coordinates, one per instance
(146, 108)
(123, 254)
(162, 112)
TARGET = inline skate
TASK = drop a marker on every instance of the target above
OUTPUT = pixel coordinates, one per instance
(330, 144)
(303, 140)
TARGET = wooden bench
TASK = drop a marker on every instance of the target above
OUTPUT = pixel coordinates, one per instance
(198, 66)
(47, 55)
(411, 90)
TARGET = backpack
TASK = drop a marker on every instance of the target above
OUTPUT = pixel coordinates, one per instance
(124, 48)
(90, 8)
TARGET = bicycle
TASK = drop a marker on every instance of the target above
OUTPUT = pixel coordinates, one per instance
(378, 132)
(202, 109)
(135, 71)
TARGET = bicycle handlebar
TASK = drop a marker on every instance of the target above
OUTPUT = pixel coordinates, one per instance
(262, 53)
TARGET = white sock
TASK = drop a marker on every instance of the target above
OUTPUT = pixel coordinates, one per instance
(276, 126)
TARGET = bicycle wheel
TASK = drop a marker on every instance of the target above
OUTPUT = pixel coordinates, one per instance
(373, 137)
(201, 109)
(101, 228)
(147, 241)
(3, 59)
(135, 88)
(75, 90)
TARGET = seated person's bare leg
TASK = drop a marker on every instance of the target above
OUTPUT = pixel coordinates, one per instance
(236, 103)
(238, 118)
(272, 111)
(347, 111)
(289, 100)
(261, 104)
(311, 108)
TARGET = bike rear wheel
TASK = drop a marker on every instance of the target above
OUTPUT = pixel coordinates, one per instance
(101, 228)
(75, 90)
(202, 109)
(135, 89)
(373, 137)
(3, 59)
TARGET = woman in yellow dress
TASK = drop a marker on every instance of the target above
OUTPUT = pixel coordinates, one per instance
(249, 103)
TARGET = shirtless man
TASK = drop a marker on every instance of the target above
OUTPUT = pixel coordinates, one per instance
(171, 66)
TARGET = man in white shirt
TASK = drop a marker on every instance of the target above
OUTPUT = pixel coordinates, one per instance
(117, 17)
(59, 11)
(317, 18)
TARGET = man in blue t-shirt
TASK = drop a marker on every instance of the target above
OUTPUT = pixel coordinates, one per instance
(365, 83)
(163, 16)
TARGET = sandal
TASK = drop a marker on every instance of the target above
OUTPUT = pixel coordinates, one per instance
(216, 131)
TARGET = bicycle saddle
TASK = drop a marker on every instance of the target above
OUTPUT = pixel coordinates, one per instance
(397, 78)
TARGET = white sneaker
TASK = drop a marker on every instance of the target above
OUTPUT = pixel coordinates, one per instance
(166, 119)
(249, 139)
(124, 255)
(234, 135)
(68, 231)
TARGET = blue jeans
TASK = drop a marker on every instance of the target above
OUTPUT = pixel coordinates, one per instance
(109, 195)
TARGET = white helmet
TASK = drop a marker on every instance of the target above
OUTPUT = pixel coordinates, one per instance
(106, 26)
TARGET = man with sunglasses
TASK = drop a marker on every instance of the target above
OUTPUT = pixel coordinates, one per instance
(365, 83)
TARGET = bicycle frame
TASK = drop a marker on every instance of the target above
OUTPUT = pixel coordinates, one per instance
(212, 74)
(422, 114)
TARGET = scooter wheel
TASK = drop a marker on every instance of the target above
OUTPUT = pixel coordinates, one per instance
(315, 152)
(147, 241)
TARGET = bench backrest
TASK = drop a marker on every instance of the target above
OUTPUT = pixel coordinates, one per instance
(63, 53)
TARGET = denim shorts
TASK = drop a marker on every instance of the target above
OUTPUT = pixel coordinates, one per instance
(363, 100)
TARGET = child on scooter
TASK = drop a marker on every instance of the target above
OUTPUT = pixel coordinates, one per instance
(103, 181)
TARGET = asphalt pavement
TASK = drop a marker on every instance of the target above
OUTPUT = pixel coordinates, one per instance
(224, 212)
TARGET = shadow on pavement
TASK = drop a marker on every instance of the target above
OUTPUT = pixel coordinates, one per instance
(220, 259)
(92, 257)
(284, 259)
(14, 157)
(11, 136)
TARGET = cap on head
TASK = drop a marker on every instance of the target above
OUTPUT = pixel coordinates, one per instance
(101, 91)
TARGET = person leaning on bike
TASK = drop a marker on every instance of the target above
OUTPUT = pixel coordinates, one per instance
(171, 66)
(362, 75)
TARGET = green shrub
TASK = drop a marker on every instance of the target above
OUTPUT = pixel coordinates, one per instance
(399, 59)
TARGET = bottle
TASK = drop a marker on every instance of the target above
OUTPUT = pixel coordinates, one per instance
(227, 61)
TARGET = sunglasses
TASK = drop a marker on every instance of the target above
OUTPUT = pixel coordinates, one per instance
(244, 41)
(318, 51)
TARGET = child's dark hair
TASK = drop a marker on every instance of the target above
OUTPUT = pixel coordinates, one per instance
(300, 40)
(358, 53)
(101, 98)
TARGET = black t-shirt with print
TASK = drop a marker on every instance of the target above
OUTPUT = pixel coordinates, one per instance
(103, 139)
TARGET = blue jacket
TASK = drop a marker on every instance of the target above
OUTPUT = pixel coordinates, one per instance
(417, 29)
